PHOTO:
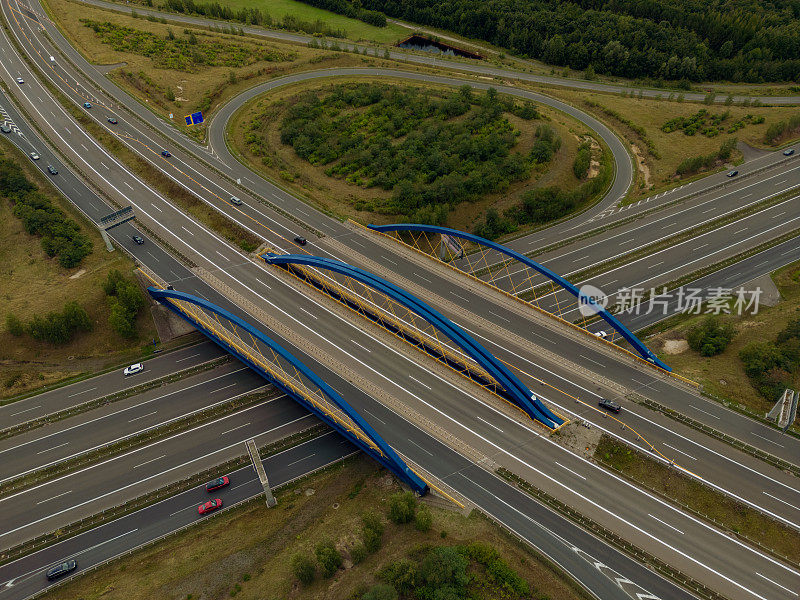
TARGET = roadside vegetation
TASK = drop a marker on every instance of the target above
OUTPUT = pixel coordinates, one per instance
(674, 141)
(383, 152)
(759, 356)
(332, 536)
(55, 320)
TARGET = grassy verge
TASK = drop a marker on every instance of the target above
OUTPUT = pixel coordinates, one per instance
(700, 499)
(35, 284)
(246, 551)
(639, 121)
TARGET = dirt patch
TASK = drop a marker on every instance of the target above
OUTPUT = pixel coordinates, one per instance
(641, 164)
(580, 437)
(675, 346)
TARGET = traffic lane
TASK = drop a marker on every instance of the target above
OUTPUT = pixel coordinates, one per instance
(735, 473)
(102, 543)
(654, 228)
(730, 277)
(111, 423)
(114, 481)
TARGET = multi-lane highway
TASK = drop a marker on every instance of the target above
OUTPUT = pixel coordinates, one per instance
(736, 569)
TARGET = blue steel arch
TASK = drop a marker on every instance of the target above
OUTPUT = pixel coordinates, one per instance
(643, 350)
(517, 391)
(387, 456)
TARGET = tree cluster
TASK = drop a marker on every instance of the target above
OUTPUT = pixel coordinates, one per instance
(125, 300)
(252, 16)
(61, 236)
(690, 40)
(407, 140)
(771, 366)
(354, 10)
(694, 164)
(54, 327)
(709, 124)
(777, 131)
(710, 337)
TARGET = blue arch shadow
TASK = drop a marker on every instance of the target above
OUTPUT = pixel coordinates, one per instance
(517, 392)
(640, 348)
(387, 456)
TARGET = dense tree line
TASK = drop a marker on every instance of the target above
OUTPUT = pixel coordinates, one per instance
(354, 10)
(772, 366)
(692, 40)
(402, 139)
(252, 16)
(694, 164)
(61, 236)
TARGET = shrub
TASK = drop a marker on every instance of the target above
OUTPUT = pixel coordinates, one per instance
(583, 160)
(423, 520)
(402, 507)
(14, 325)
(372, 531)
(711, 337)
(60, 328)
(443, 569)
(125, 301)
(358, 553)
(303, 568)
(401, 574)
(328, 558)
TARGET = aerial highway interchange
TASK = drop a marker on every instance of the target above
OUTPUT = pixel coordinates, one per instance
(567, 371)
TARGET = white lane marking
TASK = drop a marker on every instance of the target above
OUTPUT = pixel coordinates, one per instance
(499, 316)
(766, 440)
(222, 388)
(234, 429)
(357, 243)
(83, 392)
(312, 315)
(570, 470)
(266, 285)
(420, 447)
(360, 346)
(780, 182)
(784, 501)
(374, 417)
(776, 583)
(679, 451)
(26, 410)
(187, 357)
(779, 215)
(389, 260)
(418, 381)
(186, 230)
(142, 417)
(130, 186)
(423, 278)
(458, 296)
(54, 497)
(490, 424)
(149, 461)
(300, 460)
(703, 246)
(103, 164)
(154, 206)
(222, 255)
(655, 265)
(665, 523)
(84, 147)
(703, 411)
(582, 258)
(53, 448)
(590, 360)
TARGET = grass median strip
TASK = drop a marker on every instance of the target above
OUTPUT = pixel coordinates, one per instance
(122, 394)
(707, 503)
(135, 441)
(145, 500)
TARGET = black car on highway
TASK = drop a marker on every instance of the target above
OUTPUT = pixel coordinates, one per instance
(112, 120)
(733, 173)
(62, 569)
(788, 152)
(609, 405)
(52, 170)
(138, 239)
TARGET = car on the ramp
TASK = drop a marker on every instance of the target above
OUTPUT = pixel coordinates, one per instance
(209, 506)
(59, 570)
(139, 240)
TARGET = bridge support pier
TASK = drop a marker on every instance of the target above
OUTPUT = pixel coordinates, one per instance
(262, 474)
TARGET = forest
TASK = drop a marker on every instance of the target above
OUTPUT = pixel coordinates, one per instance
(669, 40)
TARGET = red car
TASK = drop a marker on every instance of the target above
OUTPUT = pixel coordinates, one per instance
(217, 483)
(209, 506)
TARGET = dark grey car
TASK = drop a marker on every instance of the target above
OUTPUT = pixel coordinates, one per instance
(62, 569)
